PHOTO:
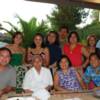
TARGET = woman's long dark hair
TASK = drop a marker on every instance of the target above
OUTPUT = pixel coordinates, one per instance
(33, 44)
(57, 38)
(76, 34)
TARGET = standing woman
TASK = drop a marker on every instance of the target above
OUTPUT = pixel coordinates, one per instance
(18, 57)
(75, 52)
(52, 42)
(38, 48)
(91, 45)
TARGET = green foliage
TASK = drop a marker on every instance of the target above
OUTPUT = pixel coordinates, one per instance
(66, 15)
(28, 28)
(93, 28)
(31, 28)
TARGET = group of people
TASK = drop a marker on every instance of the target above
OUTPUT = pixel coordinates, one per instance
(58, 61)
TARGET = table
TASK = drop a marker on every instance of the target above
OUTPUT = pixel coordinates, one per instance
(58, 96)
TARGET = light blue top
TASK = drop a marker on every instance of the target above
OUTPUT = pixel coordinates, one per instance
(92, 74)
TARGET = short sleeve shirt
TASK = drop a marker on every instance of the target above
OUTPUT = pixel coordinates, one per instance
(7, 78)
(92, 74)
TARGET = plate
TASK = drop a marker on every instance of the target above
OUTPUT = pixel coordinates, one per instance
(97, 93)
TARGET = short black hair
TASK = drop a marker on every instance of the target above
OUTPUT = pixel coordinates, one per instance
(64, 27)
(6, 49)
(57, 37)
(77, 36)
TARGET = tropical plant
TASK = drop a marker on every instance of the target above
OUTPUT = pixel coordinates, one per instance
(28, 28)
(66, 15)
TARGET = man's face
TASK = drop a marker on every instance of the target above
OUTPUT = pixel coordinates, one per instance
(63, 33)
(4, 57)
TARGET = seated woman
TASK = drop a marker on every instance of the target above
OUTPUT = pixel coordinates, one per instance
(37, 77)
(92, 72)
(67, 79)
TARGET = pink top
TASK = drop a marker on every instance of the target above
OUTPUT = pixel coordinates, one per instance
(74, 55)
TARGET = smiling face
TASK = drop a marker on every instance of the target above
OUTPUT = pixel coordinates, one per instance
(51, 38)
(94, 61)
(38, 40)
(4, 57)
(37, 61)
(63, 33)
(64, 64)
(73, 39)
(92, 41)
(18, 39)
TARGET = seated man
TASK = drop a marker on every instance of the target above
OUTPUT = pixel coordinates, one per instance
(92, 72)
(38, 77)
(7, 73)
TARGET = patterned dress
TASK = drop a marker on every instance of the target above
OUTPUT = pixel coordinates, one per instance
(69, 80)
(92, 74)
(17, 63)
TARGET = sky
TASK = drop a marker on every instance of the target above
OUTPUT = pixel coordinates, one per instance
(26, 10)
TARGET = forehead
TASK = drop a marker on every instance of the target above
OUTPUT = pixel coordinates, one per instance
(35, 58)
(92, 38)
(64, 59)
(52, 34)
(94, 57)
(4, 52)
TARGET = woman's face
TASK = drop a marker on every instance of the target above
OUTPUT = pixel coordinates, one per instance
(38, 40)
(73, 39)
(92, 41)
(37, 62)
(64, 63)
(94, 61)
(51, 38)
(18, 39)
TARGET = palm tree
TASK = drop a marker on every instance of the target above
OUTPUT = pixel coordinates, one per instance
(28, 28)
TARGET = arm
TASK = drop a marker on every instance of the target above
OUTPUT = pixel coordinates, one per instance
(28, 91)
(29, 55)
(81, 81)
(56, 84)
(47, 57)
(86, 54)
(24, 55)
(6, 90)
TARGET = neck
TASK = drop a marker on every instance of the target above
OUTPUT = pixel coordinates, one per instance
(2, 67)
(38, 69)
(15, 45)
(38, 47)
(92, 46)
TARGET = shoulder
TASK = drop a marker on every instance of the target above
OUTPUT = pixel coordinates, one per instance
(11, 69)
(80, 45)
(72, 69)
(23, 49)
(66, 46)
(46, 48)
(45, 69)
(89, 69)
(30, 71)
(9, 46)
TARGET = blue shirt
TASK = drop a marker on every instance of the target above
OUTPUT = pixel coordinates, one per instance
(92, 74)
(69, 80)
(55, 53)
